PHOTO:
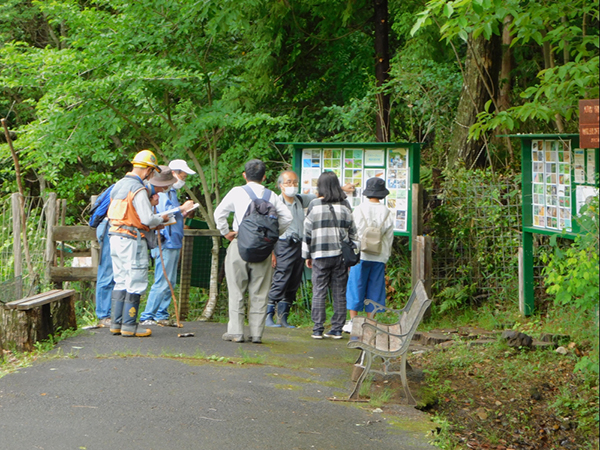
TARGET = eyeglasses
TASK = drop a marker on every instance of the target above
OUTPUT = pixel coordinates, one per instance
(290, 183)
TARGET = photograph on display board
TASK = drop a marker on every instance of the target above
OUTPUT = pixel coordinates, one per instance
(374, 173)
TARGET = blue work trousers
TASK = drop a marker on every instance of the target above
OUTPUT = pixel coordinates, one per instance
(159, 299)
(104, 280)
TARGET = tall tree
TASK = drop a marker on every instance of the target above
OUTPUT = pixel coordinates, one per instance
(382, 66)
(565, 73)
(480, 84)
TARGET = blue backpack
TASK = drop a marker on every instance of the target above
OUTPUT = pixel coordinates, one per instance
(100, 207)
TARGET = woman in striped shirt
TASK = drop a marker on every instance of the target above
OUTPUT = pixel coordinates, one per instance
(328, 220)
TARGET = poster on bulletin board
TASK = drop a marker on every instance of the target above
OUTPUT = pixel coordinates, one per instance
(397, 164)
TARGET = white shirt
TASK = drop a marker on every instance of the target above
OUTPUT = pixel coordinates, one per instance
(373, 214)
(237, 201)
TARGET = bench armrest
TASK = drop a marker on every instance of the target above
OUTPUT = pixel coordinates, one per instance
(381, 308)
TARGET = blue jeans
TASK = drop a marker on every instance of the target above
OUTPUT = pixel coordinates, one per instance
(159, 298)
(104, 280)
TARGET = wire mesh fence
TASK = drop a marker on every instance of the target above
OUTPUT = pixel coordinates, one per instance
(33, 245)
(475, 220)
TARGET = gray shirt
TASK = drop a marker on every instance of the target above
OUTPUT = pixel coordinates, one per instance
(301, 201)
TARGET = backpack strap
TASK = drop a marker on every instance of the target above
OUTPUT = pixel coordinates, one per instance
(250, 192)
(387, 213)
(266, 195)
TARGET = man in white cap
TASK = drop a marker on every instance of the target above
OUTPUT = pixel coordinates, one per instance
(159, 299)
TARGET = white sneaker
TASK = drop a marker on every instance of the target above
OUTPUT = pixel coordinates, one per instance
(348, 327)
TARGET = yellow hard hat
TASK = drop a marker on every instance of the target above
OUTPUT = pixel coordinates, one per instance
(145, 158)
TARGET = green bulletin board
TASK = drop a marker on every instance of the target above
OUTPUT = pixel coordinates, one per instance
(397, 163)
(558, 178)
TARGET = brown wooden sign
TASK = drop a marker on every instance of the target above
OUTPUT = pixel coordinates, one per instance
(589, 126)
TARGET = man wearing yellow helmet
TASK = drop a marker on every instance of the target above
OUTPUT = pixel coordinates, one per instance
(132, 222)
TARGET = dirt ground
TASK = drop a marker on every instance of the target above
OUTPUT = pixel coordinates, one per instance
(485, 410)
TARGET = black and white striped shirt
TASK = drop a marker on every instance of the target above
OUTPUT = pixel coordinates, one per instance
(321, 236)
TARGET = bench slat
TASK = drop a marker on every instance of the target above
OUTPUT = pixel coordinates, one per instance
(382, 340)
(395, 341)
(14, 303)
(41, 299)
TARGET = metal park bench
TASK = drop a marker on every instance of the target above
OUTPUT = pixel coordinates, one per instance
(388, 341)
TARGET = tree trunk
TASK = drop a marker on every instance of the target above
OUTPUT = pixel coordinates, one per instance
(480, 81)
(209, 309)
(507, 64)
(504, 102)
(382, 65)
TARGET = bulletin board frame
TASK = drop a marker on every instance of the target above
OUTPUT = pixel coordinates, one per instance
(557, 176)
(397, 162)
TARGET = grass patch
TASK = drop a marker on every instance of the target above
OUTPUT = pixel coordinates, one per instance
(12, 360)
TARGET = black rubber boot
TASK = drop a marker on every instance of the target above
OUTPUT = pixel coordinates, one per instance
(270, 312)
(283, 311)
(116, 310)
(130, 313)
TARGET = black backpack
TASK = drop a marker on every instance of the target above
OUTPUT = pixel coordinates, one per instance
(100, 208)
(259, 229)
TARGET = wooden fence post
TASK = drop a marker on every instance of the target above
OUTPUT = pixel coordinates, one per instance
(17, 251)
(187, 254)
(416, 229)
(424, 269)
(50, 244)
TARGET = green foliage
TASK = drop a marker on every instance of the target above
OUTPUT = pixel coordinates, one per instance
(572, 276)
(425, 96)
(564, 29)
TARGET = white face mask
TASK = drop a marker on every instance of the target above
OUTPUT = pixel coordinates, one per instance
(178, 184)
(290, 191)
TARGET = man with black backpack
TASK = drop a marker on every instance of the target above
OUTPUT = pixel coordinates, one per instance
(260, 217)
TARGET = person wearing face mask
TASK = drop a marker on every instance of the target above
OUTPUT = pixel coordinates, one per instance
(159, 299)
(287, 257)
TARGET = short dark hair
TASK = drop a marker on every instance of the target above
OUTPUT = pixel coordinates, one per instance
(255, 170)
(329, 188)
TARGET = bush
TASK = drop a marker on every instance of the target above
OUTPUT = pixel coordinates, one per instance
(572, 277)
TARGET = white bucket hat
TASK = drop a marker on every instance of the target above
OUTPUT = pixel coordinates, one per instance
(180, 164)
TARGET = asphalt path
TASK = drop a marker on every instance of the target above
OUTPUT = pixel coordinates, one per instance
(98, 391)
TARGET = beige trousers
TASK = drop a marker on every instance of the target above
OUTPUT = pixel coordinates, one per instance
(243, 276)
